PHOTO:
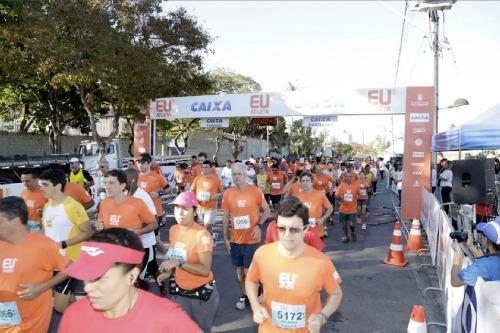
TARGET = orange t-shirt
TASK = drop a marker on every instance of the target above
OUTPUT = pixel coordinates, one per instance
(181, 179)
(205, 187)
(348, 194)
(244, 214)
(292, 286)
(131, 213)
(316, 202)
(187, 245)
(276, 182)
(322, 183)
(355, 177)
(34, 201)
(78, 193)
(363, 190)
(153, 182)
(196, 170)
(31, 261)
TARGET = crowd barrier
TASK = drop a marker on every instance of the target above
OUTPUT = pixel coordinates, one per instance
(467, 309)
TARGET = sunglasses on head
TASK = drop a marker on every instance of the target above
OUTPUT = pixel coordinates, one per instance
(292, 230)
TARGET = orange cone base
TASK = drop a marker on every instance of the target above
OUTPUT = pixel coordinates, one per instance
(396, 263)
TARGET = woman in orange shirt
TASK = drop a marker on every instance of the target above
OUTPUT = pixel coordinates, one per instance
(189, 261)
(318, 204)
(363, 199)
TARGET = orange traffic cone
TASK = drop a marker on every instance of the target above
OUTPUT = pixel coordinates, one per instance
(396, 256)
(415, 238)
(417, 322)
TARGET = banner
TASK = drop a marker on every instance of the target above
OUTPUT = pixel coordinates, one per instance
(319, 121)
(142, 138)
(430, 218)
(379, 101)
(419, 126)
(214, 122)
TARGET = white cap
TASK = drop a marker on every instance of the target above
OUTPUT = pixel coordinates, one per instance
(74, 160)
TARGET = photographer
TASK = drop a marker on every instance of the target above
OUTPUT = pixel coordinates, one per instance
(487, 266)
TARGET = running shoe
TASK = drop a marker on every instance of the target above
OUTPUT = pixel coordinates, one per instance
(345, 239)
(242, 303)
(353, 236)
(363, 226)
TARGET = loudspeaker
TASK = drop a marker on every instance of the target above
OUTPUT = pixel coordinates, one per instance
(473, 181)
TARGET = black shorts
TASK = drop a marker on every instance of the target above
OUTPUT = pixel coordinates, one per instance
(70, 286)
(275, 199)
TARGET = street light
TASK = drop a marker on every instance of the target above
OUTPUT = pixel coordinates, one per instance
(458, 103)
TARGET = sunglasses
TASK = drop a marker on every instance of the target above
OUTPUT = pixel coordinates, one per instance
(291, 230)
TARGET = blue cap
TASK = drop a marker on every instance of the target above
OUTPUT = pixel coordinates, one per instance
(491, 230)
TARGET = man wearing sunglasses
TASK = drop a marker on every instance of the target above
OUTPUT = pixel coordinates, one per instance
(290, 272)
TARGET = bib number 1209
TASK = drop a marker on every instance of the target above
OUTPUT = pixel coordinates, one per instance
(288, 316)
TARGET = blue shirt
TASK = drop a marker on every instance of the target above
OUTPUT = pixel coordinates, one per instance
(487, 268)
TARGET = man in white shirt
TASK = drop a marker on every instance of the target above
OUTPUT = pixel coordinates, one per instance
(398, 179)
(251, 174)
(227, 179)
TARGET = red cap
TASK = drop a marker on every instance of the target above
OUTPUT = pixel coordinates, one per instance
(96, 258)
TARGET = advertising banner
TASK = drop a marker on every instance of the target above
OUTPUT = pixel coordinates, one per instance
(419, 124)
(319, 121)
(380, 101)
(214, 122)
(142, 139)
(430, 218)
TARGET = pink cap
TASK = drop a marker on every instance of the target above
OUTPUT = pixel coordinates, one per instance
(186, 199)
(96, 258)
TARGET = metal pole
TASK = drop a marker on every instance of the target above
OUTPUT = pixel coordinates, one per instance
(267, 141)
(154, 138)
(435, 45)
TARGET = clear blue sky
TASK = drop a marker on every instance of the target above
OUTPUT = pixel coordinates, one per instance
(333, 45)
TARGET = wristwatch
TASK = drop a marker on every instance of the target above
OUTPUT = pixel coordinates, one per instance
(64, 245)
(179, 265)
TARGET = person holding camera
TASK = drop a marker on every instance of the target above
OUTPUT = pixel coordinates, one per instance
(484, 266)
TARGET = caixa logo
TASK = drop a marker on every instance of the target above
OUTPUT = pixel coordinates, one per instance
(419, 117)
(211, 106)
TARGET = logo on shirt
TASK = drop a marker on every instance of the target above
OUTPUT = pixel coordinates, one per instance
(114, 219)
(205, 240)
(30, 203)
(143, 185)
(308, 204)
(8, 265)
(180, 246)
(92, 250)
(241, 203)
(287, 280)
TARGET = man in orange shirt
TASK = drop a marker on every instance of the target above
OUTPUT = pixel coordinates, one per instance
(293, 275)
(208, 190)
(276, 180)
(33, 197)
(29, 260)
(123, 211)
(181, 179)
(242, 204)
(348, 194)
(196, 166)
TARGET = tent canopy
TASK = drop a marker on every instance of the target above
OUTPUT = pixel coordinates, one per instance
(482, 132)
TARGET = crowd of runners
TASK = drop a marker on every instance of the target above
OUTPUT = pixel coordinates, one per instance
(95, 267)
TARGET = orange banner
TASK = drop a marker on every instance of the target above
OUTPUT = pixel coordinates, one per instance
(142, 135)
(419, 127)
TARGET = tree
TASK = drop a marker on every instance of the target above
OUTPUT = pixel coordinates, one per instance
(379, 145)
(278, 137)
(301, 140)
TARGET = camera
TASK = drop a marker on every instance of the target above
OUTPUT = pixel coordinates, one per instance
(460, 236)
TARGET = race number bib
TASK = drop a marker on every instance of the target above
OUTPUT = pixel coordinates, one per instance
(262, 186)
(241, 222)
(275, 186)
(203, 196)
(179, 180)
(9, 314)
(312, 221)
(348, 197)
(143, 185)
(177, 254)
(288, 316)
(362, 192)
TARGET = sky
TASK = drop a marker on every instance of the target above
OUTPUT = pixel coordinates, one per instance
(327, 46)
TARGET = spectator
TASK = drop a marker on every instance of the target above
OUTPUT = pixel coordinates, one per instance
(78, 175)
(445, 178)
(487, 266)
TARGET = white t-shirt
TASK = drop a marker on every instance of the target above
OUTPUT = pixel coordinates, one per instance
(227, 177)
(148, 239)
(433, 177)
(251, 176)
(375, 173)
(399, 179)
(446, 176)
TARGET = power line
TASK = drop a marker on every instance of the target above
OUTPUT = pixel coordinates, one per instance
(401, 44)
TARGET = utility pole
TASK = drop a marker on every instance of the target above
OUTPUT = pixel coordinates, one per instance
(434, 17)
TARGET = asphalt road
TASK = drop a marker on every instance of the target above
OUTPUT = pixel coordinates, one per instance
(377, 298)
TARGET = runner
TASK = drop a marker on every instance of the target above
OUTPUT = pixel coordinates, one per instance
(190, 258)
(65, 221)
(293, 186)
(242, 204)
(29, 261)
(363, 199)
(323, 182)
(319, 207)
(33, 197)
(197, 164)
(78, 175)
(348, 193)
(293, 275)
(227, 180)
(79, 193)
(109, 265)
(311, 237)
(121, 211)
(262, 183)
(149, 265)
(208, 190)
(181, 178)
(276, 181)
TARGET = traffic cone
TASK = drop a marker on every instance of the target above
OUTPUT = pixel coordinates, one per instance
(415, 238)
(396, 256)
(417, 322)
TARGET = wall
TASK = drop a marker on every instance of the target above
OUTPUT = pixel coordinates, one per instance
(32, 144)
